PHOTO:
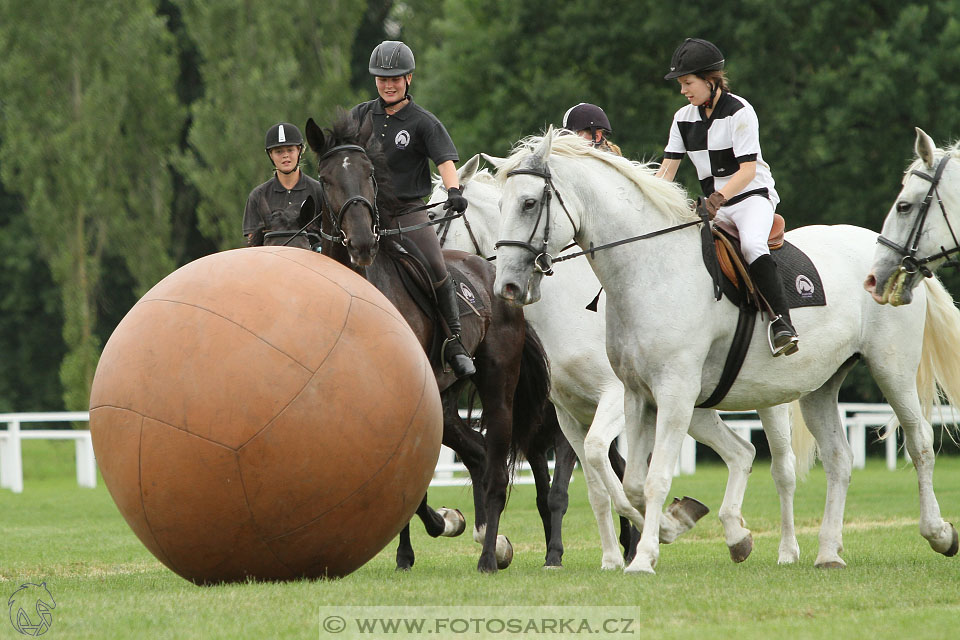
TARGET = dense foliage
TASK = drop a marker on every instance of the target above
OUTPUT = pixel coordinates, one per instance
(130, 130)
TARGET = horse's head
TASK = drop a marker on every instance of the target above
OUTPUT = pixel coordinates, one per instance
(917, 235)
(534, 223)
(347, 175)
(476, 230)
(290, 228)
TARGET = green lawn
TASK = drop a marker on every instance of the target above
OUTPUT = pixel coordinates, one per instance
(107, 585)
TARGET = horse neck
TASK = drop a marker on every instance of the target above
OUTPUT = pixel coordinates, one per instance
(483, 216)
(608, 207)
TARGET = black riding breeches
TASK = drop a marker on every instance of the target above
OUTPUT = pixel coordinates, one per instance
(425, 239)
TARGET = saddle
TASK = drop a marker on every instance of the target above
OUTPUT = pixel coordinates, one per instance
(417, 277)
(731, 260)
(801, 282)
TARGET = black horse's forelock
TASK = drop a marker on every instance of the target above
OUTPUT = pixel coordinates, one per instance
(346, 130)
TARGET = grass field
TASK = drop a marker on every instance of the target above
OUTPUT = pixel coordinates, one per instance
(107, 585)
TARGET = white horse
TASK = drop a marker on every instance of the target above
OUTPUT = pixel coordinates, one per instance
(667, 337)
(588, 395)
(922, 229)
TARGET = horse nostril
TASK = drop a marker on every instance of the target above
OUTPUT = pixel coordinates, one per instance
(870, 283)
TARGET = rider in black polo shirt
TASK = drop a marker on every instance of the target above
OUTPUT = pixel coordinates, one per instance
(286, 190)
(410, 137)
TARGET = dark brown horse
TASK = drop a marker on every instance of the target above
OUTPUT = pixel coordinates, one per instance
(512, 379)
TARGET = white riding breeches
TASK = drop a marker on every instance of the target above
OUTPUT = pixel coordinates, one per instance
(753, 218)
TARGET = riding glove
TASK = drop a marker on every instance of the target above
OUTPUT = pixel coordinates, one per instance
(714, 202)
(455, 200)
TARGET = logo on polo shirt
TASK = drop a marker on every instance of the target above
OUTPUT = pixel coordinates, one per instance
(402, 139)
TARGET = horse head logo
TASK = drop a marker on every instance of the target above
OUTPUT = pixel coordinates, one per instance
(27, 599)
(804, 286)
(402, 139)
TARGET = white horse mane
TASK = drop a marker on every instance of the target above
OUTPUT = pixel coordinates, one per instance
(668, 196)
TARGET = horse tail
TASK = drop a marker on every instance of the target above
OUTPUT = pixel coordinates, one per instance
(531, 395)
(939, 373)
(804, 445)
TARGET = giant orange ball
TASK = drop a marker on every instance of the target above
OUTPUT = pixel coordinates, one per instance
(265, 413)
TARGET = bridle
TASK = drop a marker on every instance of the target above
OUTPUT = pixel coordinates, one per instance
(910, 264)
(542, 261)
(336, 219)
(443, 228)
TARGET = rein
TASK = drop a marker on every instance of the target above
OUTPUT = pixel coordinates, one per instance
(910, 264)
(543, 262)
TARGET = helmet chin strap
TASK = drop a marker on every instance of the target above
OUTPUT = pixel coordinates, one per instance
(713, 90)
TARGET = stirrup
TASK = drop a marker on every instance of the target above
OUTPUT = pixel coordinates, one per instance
(788, 348)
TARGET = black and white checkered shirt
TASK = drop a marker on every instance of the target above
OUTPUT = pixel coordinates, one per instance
(718, 144)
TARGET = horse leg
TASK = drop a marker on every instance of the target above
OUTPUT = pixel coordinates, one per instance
(596, 492)
(629, 534)
(469, 445)
(673, 421)
(822, 416)
(738, 454)
(537, 458)
(405, 557)
(495, 480)
(564, 459)
(918, 438)
(777, 427)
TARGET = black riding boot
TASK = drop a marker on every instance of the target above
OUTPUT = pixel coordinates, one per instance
(453, 351)
(780, 333)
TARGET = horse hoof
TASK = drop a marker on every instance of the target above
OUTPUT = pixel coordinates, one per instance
(504, 552)
(832, 564)
(453, 522)
(640, 570)
(741, 550)
(407, 568)
(954, 546)
(688, 510)
(553, 566)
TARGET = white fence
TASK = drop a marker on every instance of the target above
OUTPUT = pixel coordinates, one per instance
(857, 418)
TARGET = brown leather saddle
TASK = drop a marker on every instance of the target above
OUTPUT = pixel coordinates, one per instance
(732, 263)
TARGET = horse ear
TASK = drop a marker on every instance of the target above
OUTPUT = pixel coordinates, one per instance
(315, 136)
(494, 160)
(542, 152)
(366, 130)
(924, 147)
(308, 210)
(468, 169)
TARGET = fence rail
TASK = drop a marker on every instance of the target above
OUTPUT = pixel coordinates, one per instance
(857, 418)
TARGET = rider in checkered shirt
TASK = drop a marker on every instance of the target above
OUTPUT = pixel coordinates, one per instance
(720, 133)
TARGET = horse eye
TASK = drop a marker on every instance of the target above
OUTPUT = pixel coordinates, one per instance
(903, 207)
(529, 203)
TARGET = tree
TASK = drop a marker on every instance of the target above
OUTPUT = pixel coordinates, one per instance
(89, 120)
(260, 65)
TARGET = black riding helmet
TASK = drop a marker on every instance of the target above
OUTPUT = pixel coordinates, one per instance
(284, 134)
(586, 116)
(695, 56)
(391, 58)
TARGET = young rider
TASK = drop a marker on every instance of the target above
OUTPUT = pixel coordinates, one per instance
(720, 133)
(288, 187)
(410, 136)
(590, 122)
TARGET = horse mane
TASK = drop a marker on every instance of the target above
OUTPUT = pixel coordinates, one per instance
(346, 130)
(667, 196)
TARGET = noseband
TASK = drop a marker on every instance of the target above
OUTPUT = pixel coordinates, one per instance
(910, 264)
(337, 219)
(542, 261)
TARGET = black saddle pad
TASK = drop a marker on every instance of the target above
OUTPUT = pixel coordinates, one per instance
(467, 294)
(801, 280)
(802, 285)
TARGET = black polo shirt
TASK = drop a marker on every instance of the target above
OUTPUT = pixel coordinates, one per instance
(409, 138)
(271, 196)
